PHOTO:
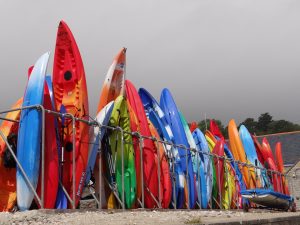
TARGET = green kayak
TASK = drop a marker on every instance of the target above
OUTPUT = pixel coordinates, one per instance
(120, 118)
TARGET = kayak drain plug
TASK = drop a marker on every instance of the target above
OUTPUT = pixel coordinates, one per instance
(68, 75)
(69, 146)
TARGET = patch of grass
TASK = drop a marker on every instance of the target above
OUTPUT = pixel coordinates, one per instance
(195, 220)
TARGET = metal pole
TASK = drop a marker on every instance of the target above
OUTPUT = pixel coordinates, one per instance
(141, 143)
(122, 153)
(65, 191)
(199, 189)
(187, 178)
(100, 171)
(114, 191)
(219, 179)
(227, 166)
(10, 120)
(22, 108)
(74, 161)
(212, 165)
(94, 196)
(174, 180)
(43, 158)
(158, 172)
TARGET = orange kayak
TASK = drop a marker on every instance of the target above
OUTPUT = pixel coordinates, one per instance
(165, 178)
(238, 152)
(113, 85)
(8, 195)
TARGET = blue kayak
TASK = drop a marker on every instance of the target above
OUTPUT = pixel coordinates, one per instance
(29, 135)
(157, 117)
(268, 198)
(252, 156)
(206, 161)
(172, 115)
(198, 165)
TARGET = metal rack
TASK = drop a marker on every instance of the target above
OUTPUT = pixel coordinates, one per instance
(113, 187)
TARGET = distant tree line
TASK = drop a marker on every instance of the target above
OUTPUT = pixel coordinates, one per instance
(264, 125)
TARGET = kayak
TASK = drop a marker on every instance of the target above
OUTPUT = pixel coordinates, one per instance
(118, 144)
(268, 198)
(70, 91)
(206, 162)
(165, 194)
(158, 119)
(29, 134)
(8, 194)
(170, 110)
(198, 164)
(149, 166)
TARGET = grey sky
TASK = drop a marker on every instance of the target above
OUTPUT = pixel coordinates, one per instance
(230, 59)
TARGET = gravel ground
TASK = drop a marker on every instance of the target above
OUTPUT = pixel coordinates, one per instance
(135, 217)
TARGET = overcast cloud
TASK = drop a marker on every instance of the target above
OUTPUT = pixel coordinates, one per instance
(228, 59)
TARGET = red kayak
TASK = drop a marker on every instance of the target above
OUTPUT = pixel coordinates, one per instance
(258, 149)
(51, 175)
(266, 150)
(70, 90)
(219, 163)
(193, 126)
(149, 164)
(279, 162)
(278, 157)
(270, 163)
(274, 176)
(214, 128)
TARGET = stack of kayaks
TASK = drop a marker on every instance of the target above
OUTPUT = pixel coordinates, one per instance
(146, 152)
